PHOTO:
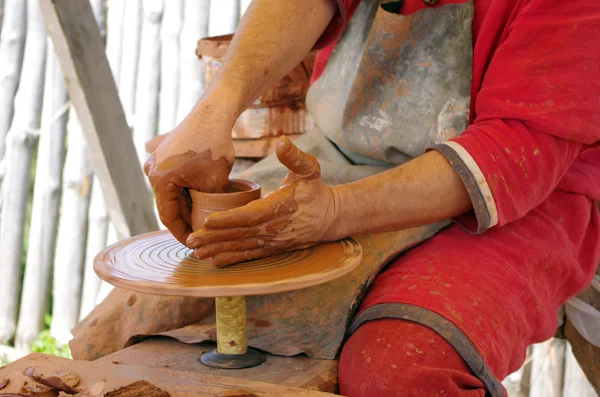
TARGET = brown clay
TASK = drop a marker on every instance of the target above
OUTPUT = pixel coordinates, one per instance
(22, 385)
(236, 393)
(95, 390)
(237, 193)
(55, 378)
(140, 388)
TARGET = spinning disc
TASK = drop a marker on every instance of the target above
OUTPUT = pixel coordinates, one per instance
(156, 263)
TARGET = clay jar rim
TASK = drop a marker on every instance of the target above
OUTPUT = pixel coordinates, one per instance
(246, 191)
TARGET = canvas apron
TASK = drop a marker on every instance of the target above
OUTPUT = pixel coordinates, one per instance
(393, 86)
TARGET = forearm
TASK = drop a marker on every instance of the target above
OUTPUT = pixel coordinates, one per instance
(273, 37)
(422, 191)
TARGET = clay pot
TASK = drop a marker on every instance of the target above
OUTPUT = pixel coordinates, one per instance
(237, 194)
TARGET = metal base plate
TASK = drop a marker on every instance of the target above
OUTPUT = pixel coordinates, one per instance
(249, 359)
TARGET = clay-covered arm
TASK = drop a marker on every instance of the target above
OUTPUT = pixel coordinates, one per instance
(422, 191)
(273, 37)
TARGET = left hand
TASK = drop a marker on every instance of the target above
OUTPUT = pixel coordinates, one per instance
(298, 215)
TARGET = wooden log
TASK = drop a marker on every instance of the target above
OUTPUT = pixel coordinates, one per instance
(80, 50)
(130, 57)
(97, 214)
(195, 27)
(114, 36)
(72, 228)
(169, 70)
(224, 17)
(244, 4)
(12, 44)
(46, 200)
(576, 383)
(146, 114)
(21, 142)
(547, 369)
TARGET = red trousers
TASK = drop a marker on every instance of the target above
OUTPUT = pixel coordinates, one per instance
(501, 289)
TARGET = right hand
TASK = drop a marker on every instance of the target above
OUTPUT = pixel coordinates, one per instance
(198, 154)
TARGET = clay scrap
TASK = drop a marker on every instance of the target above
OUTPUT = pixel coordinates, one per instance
(138, 389)
(3, 383)
(20, 385)
(55, 378)
(237, 393)
(95, 390)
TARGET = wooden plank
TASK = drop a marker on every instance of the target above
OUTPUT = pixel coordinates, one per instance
(586, 354)
(162, 352)
(576, 384)
(93, 92)
(12, 45)
(21, 142)
(547, 369)
(177, 383)
(46, 202)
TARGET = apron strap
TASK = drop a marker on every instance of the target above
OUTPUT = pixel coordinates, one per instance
(444, 328)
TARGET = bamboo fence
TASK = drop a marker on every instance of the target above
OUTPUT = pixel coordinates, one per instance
(53, 216)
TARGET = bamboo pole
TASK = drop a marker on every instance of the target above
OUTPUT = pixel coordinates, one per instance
(547, 369)
(169, 69)
(21, 142)
(195, 27)
(46, 200)
(12, 44)
(97, 213)
(130, 57)
(224, 17)
(576, 383)
(146, 112)
(72, 227)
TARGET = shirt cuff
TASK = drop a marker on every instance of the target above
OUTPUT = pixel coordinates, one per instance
(485, 212)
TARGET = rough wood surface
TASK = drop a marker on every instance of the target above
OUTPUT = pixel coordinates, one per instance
(586, 354)
(46, 201)
(195, 25)
(224, 17)
(177, 383)
(21, 142)
(298, 371)
(80, 50)
(130, 55)
(169, 67)
(12, 45)
(148, 85)
(72, 229)
(547, 369)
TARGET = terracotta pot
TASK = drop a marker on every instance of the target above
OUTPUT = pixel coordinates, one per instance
(237, 194)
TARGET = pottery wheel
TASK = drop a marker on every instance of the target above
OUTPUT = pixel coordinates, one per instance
(156, 263)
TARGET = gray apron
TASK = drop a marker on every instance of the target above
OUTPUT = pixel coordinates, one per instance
(393, 86)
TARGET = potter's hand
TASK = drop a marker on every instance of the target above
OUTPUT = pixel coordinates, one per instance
(198, 154)
(297, 215)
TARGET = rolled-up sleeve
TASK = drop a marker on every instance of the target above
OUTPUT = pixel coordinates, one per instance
(537, 109)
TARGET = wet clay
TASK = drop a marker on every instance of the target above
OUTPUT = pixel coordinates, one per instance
(95, 390)
(236, 194)
(3, 383)
(54, 377)
(140, 388)
(155, 263)
(186, 170)
(22, 385)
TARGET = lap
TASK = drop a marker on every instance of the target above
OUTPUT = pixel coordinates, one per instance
(502, 289)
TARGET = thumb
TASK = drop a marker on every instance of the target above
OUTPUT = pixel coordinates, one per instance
(295, 159)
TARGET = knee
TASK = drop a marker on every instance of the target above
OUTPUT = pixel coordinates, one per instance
(390, 357)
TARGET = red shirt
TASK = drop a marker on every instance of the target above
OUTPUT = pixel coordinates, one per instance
(535, 100)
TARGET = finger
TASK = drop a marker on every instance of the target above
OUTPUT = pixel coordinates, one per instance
(149, 164)
(169, 210)
(255, 213)
(205, 236)
(210, 250)
(185, 207)
(295, 159)
(229, 258)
